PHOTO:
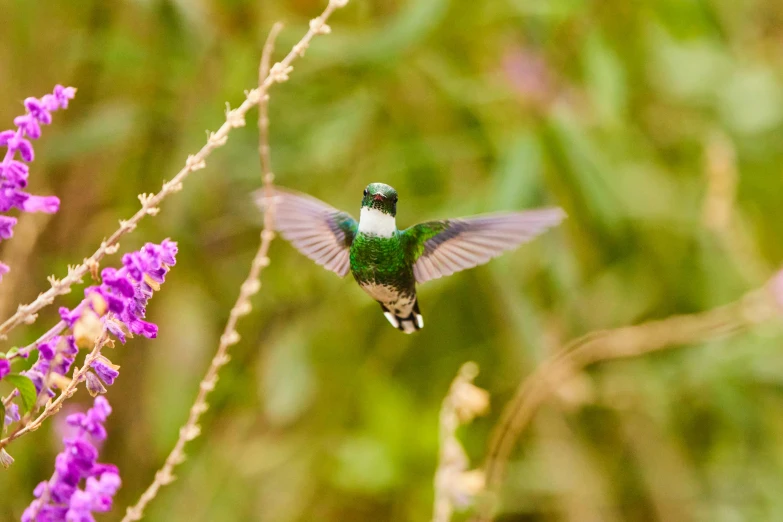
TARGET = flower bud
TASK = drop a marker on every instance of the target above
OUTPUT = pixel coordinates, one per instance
(94, 384)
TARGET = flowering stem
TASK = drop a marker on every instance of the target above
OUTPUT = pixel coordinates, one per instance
(54, 406)
(25, 351)
(149, 203)
(190, 430)
(263, 119)
(454, 483)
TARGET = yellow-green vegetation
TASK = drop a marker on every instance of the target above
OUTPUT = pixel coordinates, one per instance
(656, 124)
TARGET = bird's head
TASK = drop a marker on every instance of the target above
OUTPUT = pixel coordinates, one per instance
(380, 197)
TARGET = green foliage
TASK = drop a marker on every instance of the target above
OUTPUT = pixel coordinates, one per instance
(26, 389)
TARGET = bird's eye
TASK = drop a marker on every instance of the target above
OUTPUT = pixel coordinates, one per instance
(395, 199)
(365, 192)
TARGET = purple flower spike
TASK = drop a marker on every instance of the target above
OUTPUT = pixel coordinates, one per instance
(61, 96)
(36, 109)
(13, 173)
(125, 292)
(60, 498)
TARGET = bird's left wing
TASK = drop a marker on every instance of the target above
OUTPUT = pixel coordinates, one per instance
(440, 248)
(319, 231)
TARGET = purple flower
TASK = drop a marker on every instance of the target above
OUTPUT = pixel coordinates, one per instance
(5, 368)
(46, 349)
(125, 292)
(6, 225)
(11, 414)
(47, 205)
(13, 173)
(38, 111)
(92, 421)
(97, 496)
(54, 356)
(103, 370)
(60, 498)
(29, 125)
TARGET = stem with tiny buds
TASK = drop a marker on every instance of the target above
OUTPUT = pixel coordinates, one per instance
(53, 406)
(27, 314)
(252, 284)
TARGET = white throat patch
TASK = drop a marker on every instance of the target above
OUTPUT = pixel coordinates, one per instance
(374, 222)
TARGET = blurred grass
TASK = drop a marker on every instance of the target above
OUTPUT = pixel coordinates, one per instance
(325, 413)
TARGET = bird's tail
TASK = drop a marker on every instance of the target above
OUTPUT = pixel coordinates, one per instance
(407, 324)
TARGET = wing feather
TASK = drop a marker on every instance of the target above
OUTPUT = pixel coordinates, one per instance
(441, 248)
(316, 229)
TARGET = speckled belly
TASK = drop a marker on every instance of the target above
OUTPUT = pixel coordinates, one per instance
(392, 298)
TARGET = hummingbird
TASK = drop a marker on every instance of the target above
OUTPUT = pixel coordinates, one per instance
(386, 262)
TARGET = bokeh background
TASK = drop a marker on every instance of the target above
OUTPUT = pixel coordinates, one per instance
(657, 125)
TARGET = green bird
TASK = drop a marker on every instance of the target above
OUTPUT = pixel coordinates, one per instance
(387, 262)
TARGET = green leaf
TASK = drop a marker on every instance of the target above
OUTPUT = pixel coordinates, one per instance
(2, 416)
(26, 390)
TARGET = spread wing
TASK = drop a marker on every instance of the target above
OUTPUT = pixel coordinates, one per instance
(440, 248)
(319, 231)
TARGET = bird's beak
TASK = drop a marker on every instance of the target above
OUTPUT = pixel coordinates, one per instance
(378, 197)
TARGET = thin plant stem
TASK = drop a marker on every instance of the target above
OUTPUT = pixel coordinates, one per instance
(278, 73)
(454, 482)
(53, 406)
(263, 119)
(190, 430)
(631, 341)
(25, 351)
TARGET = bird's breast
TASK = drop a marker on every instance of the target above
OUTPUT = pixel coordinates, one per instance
(380, 261)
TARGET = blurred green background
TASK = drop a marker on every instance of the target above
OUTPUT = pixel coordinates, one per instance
(657, 125)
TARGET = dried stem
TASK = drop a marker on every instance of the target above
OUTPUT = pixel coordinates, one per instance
(190, 430)
(263, 116)
(53, 406)
(454, 483)
(630, 341)
(719, 212)
(25, 351)
(149, 203)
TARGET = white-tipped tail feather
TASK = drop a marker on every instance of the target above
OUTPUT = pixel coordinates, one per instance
(408, 324)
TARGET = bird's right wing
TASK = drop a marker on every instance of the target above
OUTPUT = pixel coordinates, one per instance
(440, 248)
(319, 231)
